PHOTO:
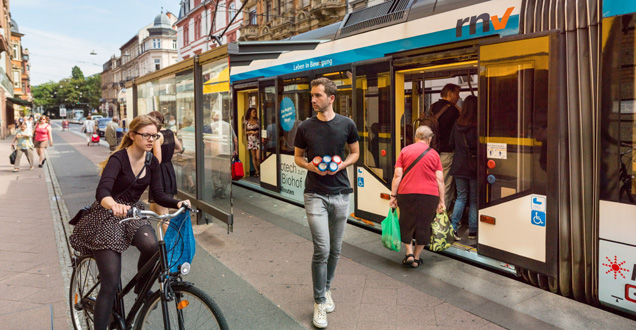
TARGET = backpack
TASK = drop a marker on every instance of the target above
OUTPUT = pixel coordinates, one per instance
(432, 121)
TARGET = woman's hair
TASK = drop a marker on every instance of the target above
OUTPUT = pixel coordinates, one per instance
(249, 114)
(138, 123)
(424, 133)
(158, 116)
(22, 124)
(46, 118)
(468, 117)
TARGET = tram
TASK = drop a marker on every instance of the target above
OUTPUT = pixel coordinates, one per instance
(555, 81)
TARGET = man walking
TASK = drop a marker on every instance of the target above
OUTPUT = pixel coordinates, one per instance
(111, 133)
(326, 192)
(450, 96)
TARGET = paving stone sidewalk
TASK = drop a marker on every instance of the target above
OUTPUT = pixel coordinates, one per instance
(32, 294)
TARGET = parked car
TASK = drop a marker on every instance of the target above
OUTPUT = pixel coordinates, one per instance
(96, 117)
(81, 120)
(101, 125)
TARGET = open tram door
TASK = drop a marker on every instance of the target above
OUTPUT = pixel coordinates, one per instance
(518, 160)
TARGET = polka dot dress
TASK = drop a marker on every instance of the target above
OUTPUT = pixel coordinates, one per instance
(100, 230)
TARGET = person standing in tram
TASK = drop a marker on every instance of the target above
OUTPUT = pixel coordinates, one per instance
(327, 192)
(463, 141)
(450, 96)
(252, 126)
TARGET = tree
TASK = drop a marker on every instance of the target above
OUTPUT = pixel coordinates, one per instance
(77, 74)
(74, 92)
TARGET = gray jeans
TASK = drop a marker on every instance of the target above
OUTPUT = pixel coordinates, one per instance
(327, 217)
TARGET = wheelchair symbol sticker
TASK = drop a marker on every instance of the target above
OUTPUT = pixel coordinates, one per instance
(361, 182)
(538, 218)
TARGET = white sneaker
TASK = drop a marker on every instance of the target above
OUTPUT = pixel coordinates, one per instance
(329, 304)
(320, 316)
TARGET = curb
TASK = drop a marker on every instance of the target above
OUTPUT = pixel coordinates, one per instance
(59, 211)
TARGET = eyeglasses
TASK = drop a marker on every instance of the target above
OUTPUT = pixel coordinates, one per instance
(147, 136)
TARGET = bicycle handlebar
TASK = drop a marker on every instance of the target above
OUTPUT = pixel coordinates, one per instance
(135, 213)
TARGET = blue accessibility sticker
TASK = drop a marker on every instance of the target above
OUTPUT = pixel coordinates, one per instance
(538, 218)
(361, 182)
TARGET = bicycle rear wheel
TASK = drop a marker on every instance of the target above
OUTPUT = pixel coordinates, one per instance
(83, 293)
(191, 309)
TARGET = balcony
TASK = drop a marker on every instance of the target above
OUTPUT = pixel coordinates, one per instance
(249, 32)
(327, 8)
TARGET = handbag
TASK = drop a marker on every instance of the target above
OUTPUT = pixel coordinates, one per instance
(180, 243)
(441, 232)
(83, 211)
(13, 155)
(391, 237)
(237, 169)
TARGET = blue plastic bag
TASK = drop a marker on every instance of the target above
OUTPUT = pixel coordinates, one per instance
(391, 237)
(180, 243)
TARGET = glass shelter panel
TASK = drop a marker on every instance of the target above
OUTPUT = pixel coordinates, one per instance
(219, 136)
(184, 163)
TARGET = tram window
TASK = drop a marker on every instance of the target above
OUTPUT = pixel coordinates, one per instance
(343, 103)
(167, 102)
(516, 120)
(618, 111)
(374, 106)
(295, 107)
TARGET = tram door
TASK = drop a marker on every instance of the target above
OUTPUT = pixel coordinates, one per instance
(267, 100)
(247, 101)
(517, 216)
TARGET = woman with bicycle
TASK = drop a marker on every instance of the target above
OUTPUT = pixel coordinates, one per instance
(125, 176)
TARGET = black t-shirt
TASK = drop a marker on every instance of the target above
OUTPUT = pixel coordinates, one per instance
(446, 123)
(326, 138)
(118, 175)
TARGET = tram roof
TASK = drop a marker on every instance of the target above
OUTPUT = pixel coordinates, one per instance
(244, 52)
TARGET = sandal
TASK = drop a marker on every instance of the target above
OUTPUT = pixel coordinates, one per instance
(15, 170)
(406, 261)
(417, 263)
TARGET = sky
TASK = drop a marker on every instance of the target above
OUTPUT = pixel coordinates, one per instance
(62, 33)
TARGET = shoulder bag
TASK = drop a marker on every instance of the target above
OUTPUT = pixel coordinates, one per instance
(415, 162)
(83, 211)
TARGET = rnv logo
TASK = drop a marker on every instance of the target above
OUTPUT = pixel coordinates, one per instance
(497, 24)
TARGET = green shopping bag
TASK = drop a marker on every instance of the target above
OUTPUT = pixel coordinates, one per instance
(441, 232)
(391, 231)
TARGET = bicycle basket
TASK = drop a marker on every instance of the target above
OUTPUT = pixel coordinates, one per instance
(180, 242)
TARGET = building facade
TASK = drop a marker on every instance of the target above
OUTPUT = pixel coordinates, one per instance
(6, 85)
(19, 74)
(198, 19)
(281, 19)
(152, 48)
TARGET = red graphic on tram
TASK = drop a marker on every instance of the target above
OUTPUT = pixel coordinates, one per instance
(615, 267)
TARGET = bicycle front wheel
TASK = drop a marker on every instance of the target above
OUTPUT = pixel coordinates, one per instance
(83, 293)
(191, 308)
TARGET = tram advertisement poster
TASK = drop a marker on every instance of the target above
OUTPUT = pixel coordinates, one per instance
(292, 178)
(287, 114)
(617, 275)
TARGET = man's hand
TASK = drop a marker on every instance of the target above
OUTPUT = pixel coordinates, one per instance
(312, 168)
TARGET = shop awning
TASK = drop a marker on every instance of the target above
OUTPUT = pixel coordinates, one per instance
(219, 83)
(20, 101)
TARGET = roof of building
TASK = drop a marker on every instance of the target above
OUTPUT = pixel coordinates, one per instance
(162, 20)
(14, 27)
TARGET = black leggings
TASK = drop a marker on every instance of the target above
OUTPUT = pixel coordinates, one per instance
(109, 265)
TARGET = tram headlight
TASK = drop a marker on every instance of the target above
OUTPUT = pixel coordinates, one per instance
(185, 268)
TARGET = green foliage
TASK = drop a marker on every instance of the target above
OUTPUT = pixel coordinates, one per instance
(74, 92)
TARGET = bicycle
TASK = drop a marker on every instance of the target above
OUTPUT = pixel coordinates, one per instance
(183, 306)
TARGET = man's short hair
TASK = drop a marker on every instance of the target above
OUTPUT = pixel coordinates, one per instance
(329, 86)
(448, 89)
(116, 119)
(424, 132)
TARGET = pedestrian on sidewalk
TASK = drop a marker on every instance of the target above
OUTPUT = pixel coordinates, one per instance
(111, 133)
(164, 148)
(43, 138)
(24, 146)
(326, 192)
(418, 189)
(88, 129)
(125, 175)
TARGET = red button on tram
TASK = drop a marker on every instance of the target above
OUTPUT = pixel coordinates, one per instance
(491, 164)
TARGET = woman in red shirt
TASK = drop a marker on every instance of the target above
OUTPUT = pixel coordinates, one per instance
(43, 138)
(418, 188)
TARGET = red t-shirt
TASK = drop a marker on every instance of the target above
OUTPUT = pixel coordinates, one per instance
(421, 178)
